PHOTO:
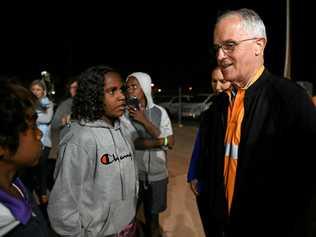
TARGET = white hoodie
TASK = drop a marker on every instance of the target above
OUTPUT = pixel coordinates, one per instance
(152, 162)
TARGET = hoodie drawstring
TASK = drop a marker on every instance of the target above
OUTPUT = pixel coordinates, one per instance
(132, 152)
(121, 174)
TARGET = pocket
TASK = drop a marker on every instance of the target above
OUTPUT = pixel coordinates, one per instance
(96, 222)
(157, 165)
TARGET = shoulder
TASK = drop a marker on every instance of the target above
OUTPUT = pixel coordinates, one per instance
(128, 128)
(219, 102)
(7, 220)
(288, 92)
(161, 113)
(66, 102)
(65, 106)
(285, 100)
(79, 135)
(45, 100)
(159, 109)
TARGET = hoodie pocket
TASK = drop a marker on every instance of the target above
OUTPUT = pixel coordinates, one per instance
(97, 222)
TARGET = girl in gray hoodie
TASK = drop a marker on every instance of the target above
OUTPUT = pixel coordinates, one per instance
(95, 190)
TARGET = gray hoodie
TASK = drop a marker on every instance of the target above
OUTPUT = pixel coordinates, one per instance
(152, 162)
(96, 186)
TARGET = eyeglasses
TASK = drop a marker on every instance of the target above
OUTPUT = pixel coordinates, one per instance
(229, 46)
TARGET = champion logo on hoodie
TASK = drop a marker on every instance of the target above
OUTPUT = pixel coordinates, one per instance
(108, 159)
(105, 159)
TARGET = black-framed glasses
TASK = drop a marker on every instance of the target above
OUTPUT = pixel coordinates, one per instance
(230, 45)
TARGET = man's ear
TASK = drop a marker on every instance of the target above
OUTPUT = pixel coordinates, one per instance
(261, 44)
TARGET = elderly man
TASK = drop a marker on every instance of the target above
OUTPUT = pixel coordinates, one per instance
(255, 140)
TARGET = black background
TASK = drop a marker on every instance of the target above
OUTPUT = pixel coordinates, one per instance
(171, 43)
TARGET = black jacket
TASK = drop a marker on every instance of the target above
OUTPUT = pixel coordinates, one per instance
(274, 176)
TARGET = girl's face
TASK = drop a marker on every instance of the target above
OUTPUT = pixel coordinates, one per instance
(38, 91)
(30, 146)
(114, 99)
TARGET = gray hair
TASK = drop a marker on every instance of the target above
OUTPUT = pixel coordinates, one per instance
(250, 21)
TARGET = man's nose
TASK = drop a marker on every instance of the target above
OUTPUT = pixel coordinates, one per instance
(220, 55)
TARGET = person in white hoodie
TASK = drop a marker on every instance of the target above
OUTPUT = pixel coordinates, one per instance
(95, 190)
(155, 137)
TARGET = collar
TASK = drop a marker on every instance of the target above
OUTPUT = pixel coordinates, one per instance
(254, 78)
(21, 209)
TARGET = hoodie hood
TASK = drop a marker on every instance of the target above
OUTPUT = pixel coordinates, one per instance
(100, 123)
(145, 83)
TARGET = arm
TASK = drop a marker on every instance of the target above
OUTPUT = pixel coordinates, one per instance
(165, 139)
(57, 119)
(166, 129)
(143, 143)
(193, 164)
(63, 110)
(64, 200)
(146, 143)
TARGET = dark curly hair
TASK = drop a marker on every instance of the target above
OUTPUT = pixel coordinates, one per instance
(88, 104)
(15, 103)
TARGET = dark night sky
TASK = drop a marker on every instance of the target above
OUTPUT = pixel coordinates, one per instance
(171, 44)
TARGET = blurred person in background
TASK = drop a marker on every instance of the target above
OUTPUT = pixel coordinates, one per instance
(36, 178)
(219, 84)
(60, 125)
(20, 147)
